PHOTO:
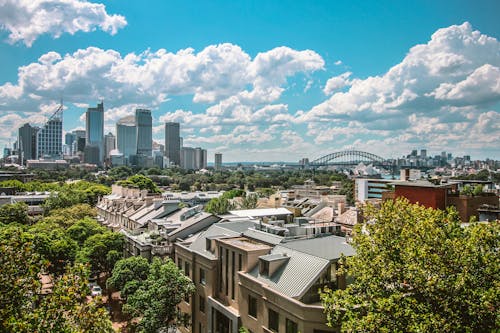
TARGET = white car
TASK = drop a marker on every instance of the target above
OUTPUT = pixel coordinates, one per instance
(96, 291)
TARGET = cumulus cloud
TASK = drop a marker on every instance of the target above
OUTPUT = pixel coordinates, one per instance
(458, 66)
(26, 20)
(216, 73)
(437, 95)
(337, 82)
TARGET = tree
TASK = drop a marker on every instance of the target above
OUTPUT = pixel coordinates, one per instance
(14, 213)
(141, 182)
(154, 303)
(101, 251)
(63, 308)
(417, 270)
(250, 201)
(218, 206)
(83, 229)
(128, 271)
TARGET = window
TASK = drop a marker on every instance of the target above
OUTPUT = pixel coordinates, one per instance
(240, 262)
(264, 267)
(227, 272)
(252, 306)
(202, 304)
(291, 326)
(203, 279)
(233, 277)
(179, 263)
(187, 269)
(274, 320)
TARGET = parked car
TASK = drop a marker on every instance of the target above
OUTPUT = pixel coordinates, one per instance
(96, 291)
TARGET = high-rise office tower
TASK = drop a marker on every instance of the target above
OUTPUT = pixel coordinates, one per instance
(49, 139)
(109, 144)
(218, 162)
(126, 136)
(173, 143)
(95, 130)
(423, 153)
(69, 140)
(27, 143)
(144, 138)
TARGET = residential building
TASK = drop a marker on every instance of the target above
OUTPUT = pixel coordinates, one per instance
(248, 278)
(188, 158)
(94, 122)
(173, 143)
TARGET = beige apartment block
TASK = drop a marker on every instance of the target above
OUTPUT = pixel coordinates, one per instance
(265, 285)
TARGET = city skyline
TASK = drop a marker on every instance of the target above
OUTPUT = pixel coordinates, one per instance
(257, 86)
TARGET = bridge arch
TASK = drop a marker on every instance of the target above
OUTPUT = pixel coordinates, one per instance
(348, 157)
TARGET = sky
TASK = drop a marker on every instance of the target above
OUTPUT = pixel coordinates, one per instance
(262, 80)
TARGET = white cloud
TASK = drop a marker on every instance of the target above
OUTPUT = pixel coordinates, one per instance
(457, 67)
(217, 73)
(337, 82)
(26, 20)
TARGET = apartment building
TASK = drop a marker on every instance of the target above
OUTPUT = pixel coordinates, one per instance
(244, 278)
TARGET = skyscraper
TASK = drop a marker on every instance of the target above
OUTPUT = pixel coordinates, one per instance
(95, 129)
(109, 144)
(49, 139)
(218, 162)
(69, 140)
(173, 143)
(144, 138)
(200, 158)
(126, 136)
(27, 143)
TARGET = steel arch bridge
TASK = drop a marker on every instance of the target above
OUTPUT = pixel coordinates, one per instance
(349, 157)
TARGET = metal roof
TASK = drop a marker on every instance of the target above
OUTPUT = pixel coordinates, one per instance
(261, 212)
(329, 247)
(263, 236)
(296, 275)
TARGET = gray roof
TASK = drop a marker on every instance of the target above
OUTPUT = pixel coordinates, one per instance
(420, 183)
(329, 247)
(218, 230)
(263, 236)
(296, 275)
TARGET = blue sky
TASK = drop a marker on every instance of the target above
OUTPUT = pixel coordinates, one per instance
(263, 80)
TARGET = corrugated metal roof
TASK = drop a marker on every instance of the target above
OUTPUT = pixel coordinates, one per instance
(261, 212)
(263, 236)
(227, 229)
(296, 275)
(330, 247)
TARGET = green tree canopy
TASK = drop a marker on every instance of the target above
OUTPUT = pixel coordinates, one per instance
(83, 229)
(141, 182)
(62, 308)
(417, 270)
(127, 271)
(102, 251)
(219, 206)
(14, 213)
(154, 303)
